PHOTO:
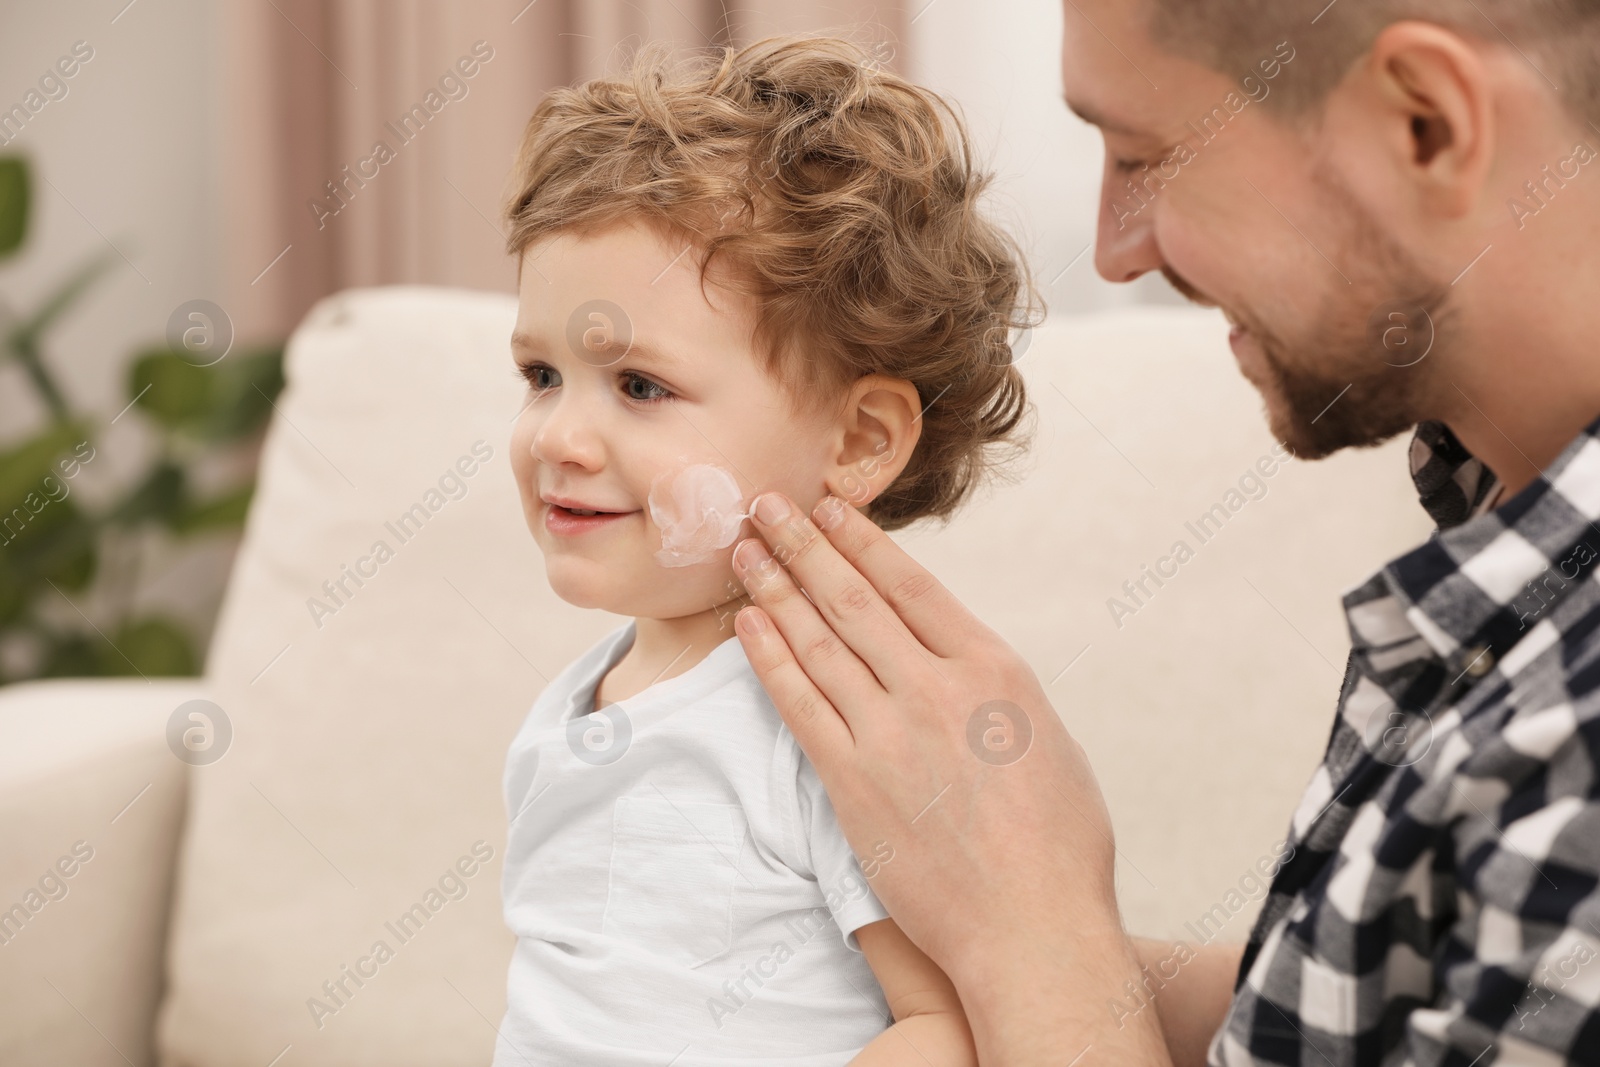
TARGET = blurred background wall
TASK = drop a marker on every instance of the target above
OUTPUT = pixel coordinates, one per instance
(227, 152)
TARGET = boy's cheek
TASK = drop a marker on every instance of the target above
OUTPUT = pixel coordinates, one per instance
(523, 466)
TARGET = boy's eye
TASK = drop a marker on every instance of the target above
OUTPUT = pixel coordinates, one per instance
(642, 389)
(1126, 166)
(539, 376)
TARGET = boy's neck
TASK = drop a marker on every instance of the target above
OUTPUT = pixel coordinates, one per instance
(666, 648)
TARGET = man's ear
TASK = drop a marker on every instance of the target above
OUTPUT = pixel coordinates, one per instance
(1435, 95)
(880, 422)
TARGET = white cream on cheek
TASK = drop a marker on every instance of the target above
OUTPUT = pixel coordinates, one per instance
(698, 510)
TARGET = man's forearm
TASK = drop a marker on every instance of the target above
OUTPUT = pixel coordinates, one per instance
(1045, 1003)
(1193, 1001)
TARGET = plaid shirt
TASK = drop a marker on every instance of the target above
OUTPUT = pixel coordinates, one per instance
(1438, 903)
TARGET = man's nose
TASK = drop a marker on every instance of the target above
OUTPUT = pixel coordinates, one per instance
(1125, 246)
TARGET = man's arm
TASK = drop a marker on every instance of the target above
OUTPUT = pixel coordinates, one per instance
(1002, 859)
(1192, 1003)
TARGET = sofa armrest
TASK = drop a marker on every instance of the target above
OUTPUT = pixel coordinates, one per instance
(91, 812)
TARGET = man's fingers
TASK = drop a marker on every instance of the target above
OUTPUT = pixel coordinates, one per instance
(834, 668)
(932, 614)
(815, 723)
(849, 603)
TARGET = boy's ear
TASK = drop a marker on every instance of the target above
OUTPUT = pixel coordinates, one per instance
(879, 424)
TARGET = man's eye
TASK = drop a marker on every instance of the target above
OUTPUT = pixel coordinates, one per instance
(642, 389)
(539, 376)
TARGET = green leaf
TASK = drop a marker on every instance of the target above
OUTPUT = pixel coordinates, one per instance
(224, 512)
(242, 394)
(12, 597)
(57, 544)
(162, 497)
(43, 534)
(15, 192)
(155, 645)
(24, 468)
(73, 656)
(168, 388)
(225, 401)
(152, 646)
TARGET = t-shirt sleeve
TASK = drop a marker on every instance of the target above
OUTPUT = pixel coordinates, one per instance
(844, 886)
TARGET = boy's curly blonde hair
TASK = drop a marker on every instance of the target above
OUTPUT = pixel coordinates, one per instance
(846, 200)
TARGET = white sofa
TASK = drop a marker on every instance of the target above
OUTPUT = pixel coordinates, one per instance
(368, 735)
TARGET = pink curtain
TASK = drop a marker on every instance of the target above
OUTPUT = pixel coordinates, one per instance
(368, 142)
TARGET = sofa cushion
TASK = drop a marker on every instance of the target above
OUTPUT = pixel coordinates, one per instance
(91, 812)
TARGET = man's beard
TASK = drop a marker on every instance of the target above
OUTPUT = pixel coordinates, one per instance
(1365, 367)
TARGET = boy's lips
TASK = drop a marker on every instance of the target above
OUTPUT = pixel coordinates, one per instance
(565, 522)
(570, 504)
(569, 517)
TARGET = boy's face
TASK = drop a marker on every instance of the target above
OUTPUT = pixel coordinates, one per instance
(636, 373)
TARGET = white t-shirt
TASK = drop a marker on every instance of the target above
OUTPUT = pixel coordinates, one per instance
(677, 881)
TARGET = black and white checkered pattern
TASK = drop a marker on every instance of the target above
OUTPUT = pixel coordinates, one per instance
(1439, 905)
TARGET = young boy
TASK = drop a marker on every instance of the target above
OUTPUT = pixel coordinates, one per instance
(765, 272)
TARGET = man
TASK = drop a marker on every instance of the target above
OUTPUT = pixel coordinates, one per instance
(1400, 231)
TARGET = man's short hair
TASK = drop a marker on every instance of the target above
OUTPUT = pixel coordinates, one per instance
(1560, 38)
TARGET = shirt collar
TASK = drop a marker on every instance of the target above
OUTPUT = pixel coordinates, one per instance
(1494, 568)
(1452, 484)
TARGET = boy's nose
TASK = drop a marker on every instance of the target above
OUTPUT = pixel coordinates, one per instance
(568, 435)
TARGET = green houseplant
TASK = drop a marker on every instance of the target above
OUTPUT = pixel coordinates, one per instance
(54, 547)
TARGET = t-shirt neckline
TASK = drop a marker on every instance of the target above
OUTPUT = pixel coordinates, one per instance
(719, 664)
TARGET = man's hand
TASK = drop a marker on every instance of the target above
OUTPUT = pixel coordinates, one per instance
(975, 814)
